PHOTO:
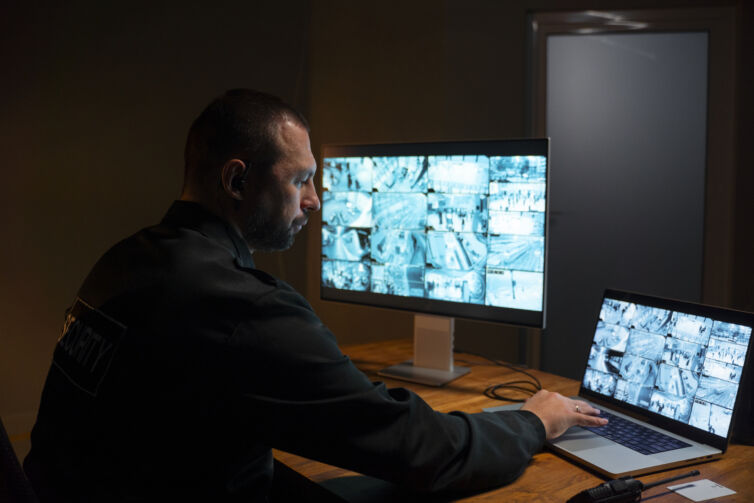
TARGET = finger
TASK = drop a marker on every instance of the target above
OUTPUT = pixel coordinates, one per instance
(585, 408)
(586, 420)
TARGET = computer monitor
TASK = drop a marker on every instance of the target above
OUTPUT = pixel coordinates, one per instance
(452, 229)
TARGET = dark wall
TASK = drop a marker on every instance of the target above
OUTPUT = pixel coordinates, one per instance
(743, 286)
(96, 100)
(414, 71)
(427, 70)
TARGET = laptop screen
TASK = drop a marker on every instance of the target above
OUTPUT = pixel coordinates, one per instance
(683, 361)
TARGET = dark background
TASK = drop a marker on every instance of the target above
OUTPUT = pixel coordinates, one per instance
(97, 100)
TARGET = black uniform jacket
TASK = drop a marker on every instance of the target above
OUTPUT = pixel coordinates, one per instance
(181, 365)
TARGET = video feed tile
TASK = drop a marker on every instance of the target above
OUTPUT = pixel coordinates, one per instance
(677, 382)
(720, 420)
(523, 253)
(685, 355)
(347, 174)
(726, 352)
(670, 406)
(721, 370)
(457, 212)
(456, 251)
(646, 345)
(458, 174)
(653, 319)
(455, 286)
(400, 211)
(613, 337)
(400, 174)
(691, 328)
(613, 311)
(517, 196)
(633, 393)
(717, 391)
(346, 275)
(638, 370)
(399, 247)
(522, 223)
(604, 359)
(345, 243)
(518, 168)
(348, 209)
(514, 289)
(600, 382)
(737, 334)
(403, 280)
(700, 414)
(710, 417)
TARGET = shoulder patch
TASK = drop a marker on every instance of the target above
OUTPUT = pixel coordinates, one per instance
(87, 345)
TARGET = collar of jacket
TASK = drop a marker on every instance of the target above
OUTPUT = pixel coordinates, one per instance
(195, 216)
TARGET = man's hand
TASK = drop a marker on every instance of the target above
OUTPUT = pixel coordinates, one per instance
(559, 413)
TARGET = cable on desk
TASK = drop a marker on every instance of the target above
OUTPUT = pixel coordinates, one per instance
(496, 391)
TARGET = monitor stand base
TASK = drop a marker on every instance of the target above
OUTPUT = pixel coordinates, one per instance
(433, 353)
(407, 371)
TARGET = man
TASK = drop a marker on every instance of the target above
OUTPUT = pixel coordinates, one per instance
(181, 365)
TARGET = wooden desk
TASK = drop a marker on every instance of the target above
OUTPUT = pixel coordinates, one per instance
(549, 477)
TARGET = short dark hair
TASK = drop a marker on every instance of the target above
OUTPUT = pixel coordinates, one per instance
(242, 123)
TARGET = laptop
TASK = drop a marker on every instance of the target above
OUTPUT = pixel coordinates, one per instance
(667, 374)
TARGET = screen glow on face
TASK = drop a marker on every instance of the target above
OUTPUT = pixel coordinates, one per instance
(467, 229)
(682, 366)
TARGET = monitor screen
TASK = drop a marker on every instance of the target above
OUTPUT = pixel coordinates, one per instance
(448, 228)
(680, 360)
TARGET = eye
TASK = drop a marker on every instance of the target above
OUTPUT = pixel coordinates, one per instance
(300, 182)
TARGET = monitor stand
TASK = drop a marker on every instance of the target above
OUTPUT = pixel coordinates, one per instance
(433, 354)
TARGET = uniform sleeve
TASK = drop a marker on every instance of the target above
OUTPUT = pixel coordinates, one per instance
(306, 397)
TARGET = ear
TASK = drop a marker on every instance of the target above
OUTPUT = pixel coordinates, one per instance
(232, 178)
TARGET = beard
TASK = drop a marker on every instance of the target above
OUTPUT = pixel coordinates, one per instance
(266, 231)
(267, 228)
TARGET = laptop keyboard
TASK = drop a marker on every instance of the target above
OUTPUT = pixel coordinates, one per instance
(635, 436)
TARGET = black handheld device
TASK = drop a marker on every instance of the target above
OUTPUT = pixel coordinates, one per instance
(622, 489)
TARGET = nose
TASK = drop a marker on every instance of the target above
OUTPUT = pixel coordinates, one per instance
(309, 198)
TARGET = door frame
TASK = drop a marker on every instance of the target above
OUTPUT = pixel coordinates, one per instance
(721, 154)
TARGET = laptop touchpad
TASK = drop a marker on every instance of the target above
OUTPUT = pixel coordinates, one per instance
(578, 439)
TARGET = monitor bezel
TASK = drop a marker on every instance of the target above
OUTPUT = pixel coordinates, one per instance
(500, 147)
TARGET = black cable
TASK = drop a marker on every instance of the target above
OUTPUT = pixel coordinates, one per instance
(525, 386)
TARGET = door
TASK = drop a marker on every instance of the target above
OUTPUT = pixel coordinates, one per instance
(626, 103)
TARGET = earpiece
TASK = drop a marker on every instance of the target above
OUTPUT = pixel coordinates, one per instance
(238, 181)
